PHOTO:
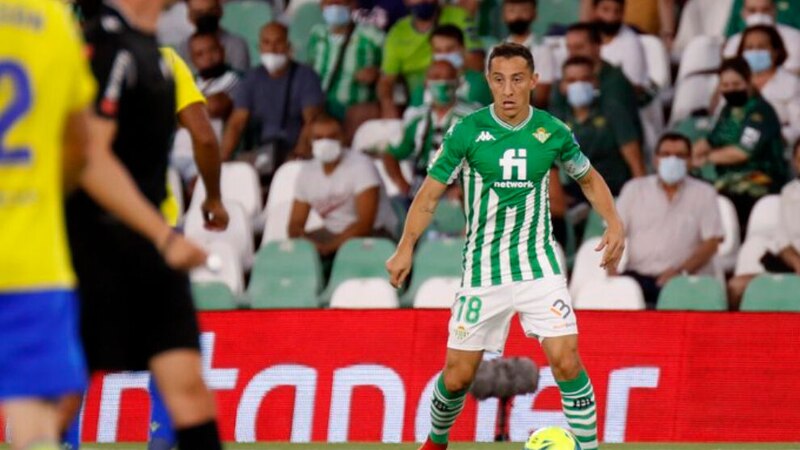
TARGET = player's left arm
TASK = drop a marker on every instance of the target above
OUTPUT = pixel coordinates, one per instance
(194, 118)
(594, 187)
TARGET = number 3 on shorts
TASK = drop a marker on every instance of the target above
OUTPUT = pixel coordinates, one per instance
(473, 309)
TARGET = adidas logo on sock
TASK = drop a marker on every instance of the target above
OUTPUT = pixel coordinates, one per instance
(484, 136)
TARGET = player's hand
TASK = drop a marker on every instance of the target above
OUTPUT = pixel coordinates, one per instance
(399, 265)
(182, 254)
(613, 242)
(215, 216)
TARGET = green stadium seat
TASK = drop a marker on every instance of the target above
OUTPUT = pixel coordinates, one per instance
(693, 293)
(359, 258)
(449, 218)
(772, 292)
(245, 18)
(213, 296)
(286, 274)
(437, 258)
(555, 12)
(305, 17)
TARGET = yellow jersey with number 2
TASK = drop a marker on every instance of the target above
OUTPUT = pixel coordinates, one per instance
(44, 76)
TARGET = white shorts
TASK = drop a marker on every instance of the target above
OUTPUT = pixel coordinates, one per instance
(481, 317)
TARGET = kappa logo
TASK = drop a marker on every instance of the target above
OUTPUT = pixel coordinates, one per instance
(485, 136)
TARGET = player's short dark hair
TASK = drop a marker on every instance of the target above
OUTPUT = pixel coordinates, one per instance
(674, 136)
(738, 65)
(449, 31)
(597, 2)
(775, 41)
(521, 2)
(589, 28)
(578, 61)
(511, 50)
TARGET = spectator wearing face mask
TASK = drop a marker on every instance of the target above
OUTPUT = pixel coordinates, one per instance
(672, 222)
(519, 16)
(343, 187)
(763, 12)
(602, 127)
(407, 52)
(621, 45)
(205, 15)
(447, 42)
(745, 146)
(346, 56)
(281, 97)
(425, 131)
(763, 49)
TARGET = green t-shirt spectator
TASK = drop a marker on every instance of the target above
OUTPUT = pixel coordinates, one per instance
(613, 85)
(422, 136)
(601, 136)
(756, 130)
(788, 14)
(364, 50)
(407, 52)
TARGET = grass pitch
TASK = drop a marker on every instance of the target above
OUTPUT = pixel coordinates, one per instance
(458, 446)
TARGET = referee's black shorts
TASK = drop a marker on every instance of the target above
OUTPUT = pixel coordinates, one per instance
(133, 306)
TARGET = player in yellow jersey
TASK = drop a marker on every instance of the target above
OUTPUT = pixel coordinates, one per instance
(46, 88)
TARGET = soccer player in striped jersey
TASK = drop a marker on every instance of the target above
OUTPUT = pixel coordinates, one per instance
(503, 154)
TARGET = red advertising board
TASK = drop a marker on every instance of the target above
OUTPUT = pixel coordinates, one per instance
(366, 376)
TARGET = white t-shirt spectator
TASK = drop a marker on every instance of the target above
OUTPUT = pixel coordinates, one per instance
(662, 234)
(626, 52)
(789, 225)
(333, 196)
(783, 93)
(791, 40)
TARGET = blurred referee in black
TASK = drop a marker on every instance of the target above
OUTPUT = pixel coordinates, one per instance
(136, 306)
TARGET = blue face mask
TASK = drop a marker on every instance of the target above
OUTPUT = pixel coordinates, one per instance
(336, 15)
(425, 10)
(580, 93)
(672, 169)
(759, 60)
(454, 58)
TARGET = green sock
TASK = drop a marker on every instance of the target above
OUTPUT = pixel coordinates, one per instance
(445, 408)
(577, 400)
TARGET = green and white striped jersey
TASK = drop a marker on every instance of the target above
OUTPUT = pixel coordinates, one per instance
(364, 50)
(504, 170)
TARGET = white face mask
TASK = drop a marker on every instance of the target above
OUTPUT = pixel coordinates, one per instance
(454, 58)
(326, 150)
(759, 19)
(671, 169)
(274, 62)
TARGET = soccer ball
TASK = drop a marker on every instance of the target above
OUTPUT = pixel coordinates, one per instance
(552, 438)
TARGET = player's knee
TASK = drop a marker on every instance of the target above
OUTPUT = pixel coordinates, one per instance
(456, 380)
(566, 366)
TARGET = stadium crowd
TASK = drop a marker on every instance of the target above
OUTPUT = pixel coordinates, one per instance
(689, 109)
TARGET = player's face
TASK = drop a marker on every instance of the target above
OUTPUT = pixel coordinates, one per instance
(511, 82)
(206, 52)
(579, 44)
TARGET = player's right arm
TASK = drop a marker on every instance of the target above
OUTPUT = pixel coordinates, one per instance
(76, 138)
(441, 173)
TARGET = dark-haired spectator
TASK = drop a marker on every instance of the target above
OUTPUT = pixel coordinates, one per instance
(745, 146)
(407, 52)
(763, 12)
(583, 39)
(763, 49)
(343, 187)
(672, 222)
(206, 15)
(519, 16)
(785, 255)
(602, 127)
(447, 43)
(346, 56)
(621, 45)
(281, 96)
(425, 131)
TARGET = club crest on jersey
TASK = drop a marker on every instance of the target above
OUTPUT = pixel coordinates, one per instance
(541, 135)
(484, 137)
